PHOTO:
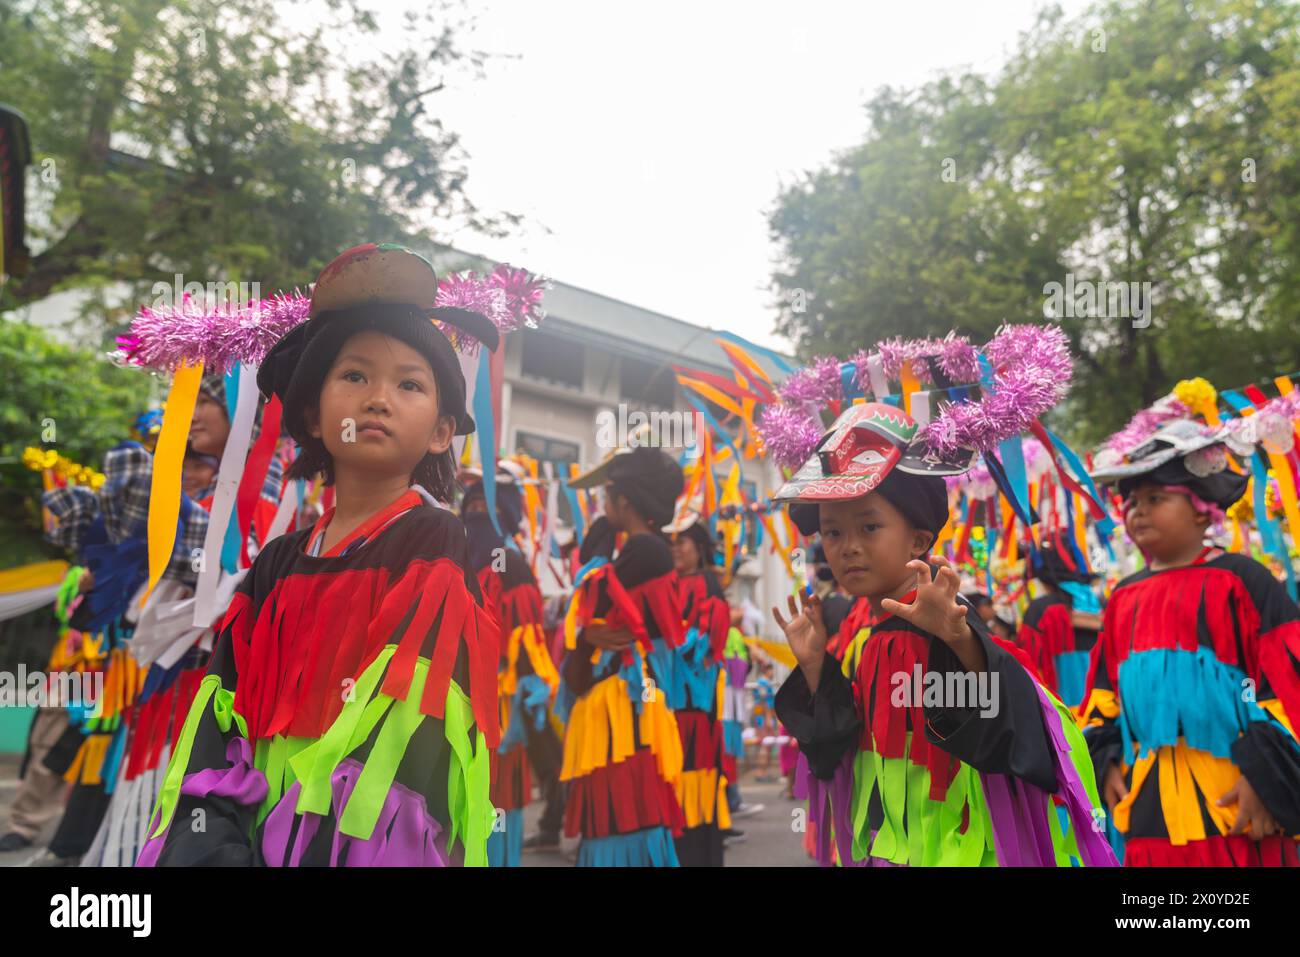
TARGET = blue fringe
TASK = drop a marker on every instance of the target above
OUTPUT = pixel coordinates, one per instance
(651, 847)
(527, 712)
(113, 759)
(1166, 693)
(1072, 676)
(733, 741)
(506, 848)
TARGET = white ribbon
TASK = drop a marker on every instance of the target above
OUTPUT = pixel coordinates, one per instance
(223, 502)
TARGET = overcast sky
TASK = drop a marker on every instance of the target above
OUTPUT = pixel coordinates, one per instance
(646, 142)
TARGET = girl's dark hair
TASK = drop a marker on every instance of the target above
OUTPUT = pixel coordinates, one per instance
(436, 473)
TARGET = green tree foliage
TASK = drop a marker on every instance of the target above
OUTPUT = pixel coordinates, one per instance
(1146, 141)
(226, 140)
(55, 396)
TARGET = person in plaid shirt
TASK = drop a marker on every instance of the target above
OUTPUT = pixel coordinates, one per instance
(119, 511)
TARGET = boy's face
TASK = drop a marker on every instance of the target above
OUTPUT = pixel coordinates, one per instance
(686, 557)
(868, 544)
(197, 476)
(1162, 523)
(379, 411)
(209, 428)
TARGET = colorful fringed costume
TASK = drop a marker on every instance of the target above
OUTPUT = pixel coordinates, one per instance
(1059, 650)
(696, 690)
(920, 785)
(1194, 682)
(107, 530)
(622, 749)
(347, 713)
(735, 666)
(527, 683)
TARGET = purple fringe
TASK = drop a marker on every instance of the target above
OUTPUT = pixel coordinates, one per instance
(1021, 834)
(241, 782)
(405, 835)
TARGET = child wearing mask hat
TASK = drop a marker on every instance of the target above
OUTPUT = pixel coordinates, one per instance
(929, 778)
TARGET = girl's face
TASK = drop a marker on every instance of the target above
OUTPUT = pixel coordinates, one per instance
(379, 411)
(868, 544)
(1163, 524)
(210, 427)
(686, 555)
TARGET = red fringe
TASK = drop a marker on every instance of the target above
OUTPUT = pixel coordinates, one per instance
(885, 727)
(314, 633)
(1235, 850)
(1279, 660)
(701, 739)
(1161, 612)
(157, 722)
(512, 784)
(661, 609)
(1023, 657)
(859, 617)
(704, 612)
(622, 798)
(521, 605)
(650, 610)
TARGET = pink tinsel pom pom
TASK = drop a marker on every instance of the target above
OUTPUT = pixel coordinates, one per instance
(1144, 424)
(1031, 373)
(508, 297)
(163, 339)
(818, 383)
(789, 434)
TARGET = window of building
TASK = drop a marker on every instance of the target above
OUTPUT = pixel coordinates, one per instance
(552, 359)
(647, 384)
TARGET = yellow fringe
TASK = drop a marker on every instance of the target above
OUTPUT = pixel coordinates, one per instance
(1274, 707)
(88, 765)
(1180, 772)
(659, 731)
(702, 794)
(599, 732)
(1100, 704)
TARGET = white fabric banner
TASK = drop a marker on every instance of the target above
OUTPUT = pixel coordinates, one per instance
(223, 502)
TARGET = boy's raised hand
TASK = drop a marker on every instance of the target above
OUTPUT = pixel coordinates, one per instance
(806, 633)
(935, 608)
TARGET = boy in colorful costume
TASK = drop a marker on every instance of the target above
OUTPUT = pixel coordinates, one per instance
(1195, 681)
(912, 782)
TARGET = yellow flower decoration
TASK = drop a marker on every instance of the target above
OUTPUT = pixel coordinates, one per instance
(40, 460)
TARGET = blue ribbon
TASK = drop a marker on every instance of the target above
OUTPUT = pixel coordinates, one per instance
(485, 426)
(230, 543)
(849, 382)
(1106, 525)
(579, 523)
(774, 357)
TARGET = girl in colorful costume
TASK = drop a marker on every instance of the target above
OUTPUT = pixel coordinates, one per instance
(1195, 681)
(346, 715)
(622, 749)
(919, 782)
